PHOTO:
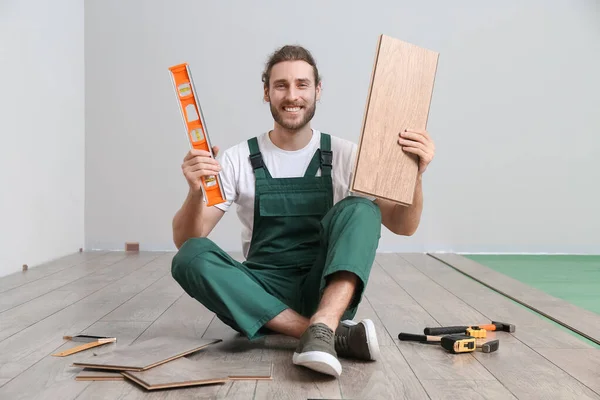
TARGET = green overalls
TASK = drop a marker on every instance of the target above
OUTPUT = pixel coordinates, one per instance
(299, 238)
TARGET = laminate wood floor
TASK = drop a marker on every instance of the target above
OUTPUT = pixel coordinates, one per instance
(133, 297)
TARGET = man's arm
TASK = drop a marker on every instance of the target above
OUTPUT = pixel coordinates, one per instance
(194, 219)
(403, 220)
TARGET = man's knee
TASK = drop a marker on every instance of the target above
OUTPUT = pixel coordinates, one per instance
(357, 211)
(193, 258)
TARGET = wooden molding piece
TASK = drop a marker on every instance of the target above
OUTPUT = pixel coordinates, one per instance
(147, 354)
(399, 98)
(132, 246)
(185, 372)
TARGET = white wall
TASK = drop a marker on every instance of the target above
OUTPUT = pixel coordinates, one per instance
(41, 131)
(514, 114)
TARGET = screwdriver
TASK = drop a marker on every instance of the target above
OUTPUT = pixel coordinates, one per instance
(458, 343)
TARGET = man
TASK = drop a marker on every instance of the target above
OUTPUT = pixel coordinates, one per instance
(309, 245)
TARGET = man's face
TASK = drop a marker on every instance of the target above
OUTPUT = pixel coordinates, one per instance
(292, 94)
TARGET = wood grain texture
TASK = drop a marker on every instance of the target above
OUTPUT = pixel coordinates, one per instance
(20, 278)
(399, 98)
(584, 322)
(27, 347)
(582, 364)
(521, 369)
(55, 378)
(466, 390)
(146, 354)
(535, 332)
(186, 372)
(405, 292)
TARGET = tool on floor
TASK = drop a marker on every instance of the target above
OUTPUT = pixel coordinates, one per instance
(494, 326)
(88, 342)
(457, 343)
(195, 127)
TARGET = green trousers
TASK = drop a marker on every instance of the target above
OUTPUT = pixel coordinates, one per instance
(245, 297)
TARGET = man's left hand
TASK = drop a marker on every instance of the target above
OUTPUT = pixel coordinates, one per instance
(419, 143)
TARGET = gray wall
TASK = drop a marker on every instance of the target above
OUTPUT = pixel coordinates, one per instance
(515, 112)
(41, 131)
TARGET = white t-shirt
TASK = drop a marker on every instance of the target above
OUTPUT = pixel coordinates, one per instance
(237, 175)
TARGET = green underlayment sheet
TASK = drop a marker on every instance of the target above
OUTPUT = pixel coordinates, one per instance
(573, 278)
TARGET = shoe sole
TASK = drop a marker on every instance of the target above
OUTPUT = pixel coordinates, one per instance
(319, 361)
(372, 342)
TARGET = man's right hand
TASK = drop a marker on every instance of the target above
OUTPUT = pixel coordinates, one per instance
(199, 163)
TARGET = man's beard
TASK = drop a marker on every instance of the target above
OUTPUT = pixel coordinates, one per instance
(309, 113)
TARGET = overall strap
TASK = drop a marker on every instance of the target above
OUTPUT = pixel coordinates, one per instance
(323, 158)
(260, 169)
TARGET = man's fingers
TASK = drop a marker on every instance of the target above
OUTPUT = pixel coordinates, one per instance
(202, 166)
(418, 131)
(416, 151)
(411, 143)
(196, 153)
(200, 160)
(215, 150)
(414, 136)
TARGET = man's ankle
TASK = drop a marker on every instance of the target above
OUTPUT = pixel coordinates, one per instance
(332, 323)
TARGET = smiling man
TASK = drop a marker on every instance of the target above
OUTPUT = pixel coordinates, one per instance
(309, 243)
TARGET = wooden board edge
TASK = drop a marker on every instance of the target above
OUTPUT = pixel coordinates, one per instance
(381, 197)
(364, 121)
(146, 386)
(589, 336)
(106, 367)
(139, 369)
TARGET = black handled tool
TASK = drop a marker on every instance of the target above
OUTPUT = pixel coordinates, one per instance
(458, 343)
(494, 326)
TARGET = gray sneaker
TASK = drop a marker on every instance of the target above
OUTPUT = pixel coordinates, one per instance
(316, 350)
(357, 340)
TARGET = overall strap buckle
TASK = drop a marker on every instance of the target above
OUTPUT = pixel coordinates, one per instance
(326, 158)
(256, 160)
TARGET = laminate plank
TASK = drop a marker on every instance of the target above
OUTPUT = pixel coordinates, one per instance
(366, 311)
(186, 372)
(149, 304)
(399, 97)
(233, 348)
(446, 308)
(466, 390)
(36, 288)
(93, 375)
(291, 381)
(518, 367)
(146, 354)
(19, 278)
(584, 322)
(129, 391)
(23, 316)
(184, 318)
(527, 374)
(25, 348)
(582, 364)
(390, 377)
(535, 332)
(400, 312)
(54, 377)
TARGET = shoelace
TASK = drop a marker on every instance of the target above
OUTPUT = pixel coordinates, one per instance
(341, 342)
(321, 332)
